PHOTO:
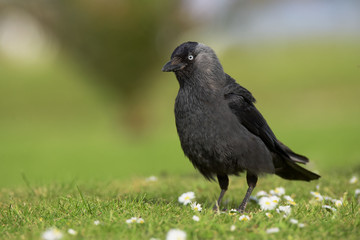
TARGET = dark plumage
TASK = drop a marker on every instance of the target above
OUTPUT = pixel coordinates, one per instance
(220, 129)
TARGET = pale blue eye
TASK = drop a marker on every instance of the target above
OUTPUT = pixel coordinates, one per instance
(190, 57)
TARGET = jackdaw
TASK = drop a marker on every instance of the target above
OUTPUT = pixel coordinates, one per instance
(220, 129)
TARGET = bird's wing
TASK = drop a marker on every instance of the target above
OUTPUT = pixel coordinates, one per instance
(241, 103)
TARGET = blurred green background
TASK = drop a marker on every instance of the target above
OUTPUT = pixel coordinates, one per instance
(82, 95)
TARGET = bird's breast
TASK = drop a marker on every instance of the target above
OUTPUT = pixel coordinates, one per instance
(203, 126)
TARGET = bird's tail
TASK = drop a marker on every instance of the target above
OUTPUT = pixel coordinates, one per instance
(291, 171)
(293, 156)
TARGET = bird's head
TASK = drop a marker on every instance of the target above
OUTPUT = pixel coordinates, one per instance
(191, 60)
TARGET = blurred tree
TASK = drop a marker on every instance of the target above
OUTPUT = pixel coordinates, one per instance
(119, 40)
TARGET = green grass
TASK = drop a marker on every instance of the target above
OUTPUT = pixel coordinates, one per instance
(26, 212)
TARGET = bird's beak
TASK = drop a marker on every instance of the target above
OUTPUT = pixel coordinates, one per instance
(173, 66)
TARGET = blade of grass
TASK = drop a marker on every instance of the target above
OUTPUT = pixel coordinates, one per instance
(27, 183)
(87, 206)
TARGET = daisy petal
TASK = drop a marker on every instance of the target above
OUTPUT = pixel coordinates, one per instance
(272, 230)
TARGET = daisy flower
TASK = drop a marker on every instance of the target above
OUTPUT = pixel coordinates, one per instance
(317, 196)
(269, 215)
(131, 220)
(261, 193)
(329, 208)
(72, 232)
(293, 221)
(52, 234)
(186, 198)
(96, 222)
(196, 206)
(275, 199)
(284, 209)
(232, 212)
(353, 180)
(338, 203)
(232, 228)
(327, 198)
(272, 230)
(357, 192)
(301, 225)
(176, 234)
(267, 203)
(151, 179)
(278, 191)
(289, 200)
(244, 218)
(196, 218)
(140, 220)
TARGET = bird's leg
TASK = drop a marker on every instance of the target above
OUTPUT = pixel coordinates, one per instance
(224, 183)
(251, 181)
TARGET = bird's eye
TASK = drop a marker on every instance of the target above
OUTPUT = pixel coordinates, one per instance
(190, 57)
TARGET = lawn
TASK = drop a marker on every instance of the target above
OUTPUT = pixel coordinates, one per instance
(66, 162)
(28, 211)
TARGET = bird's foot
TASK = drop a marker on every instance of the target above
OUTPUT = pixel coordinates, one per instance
(215, 208)
(241, 208)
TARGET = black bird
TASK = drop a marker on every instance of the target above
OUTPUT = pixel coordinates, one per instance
(220, 129)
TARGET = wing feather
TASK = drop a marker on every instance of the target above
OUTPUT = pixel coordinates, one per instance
(241, 103)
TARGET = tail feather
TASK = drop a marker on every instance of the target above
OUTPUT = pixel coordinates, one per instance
(292, 171)
(298, 158)
(294, 156)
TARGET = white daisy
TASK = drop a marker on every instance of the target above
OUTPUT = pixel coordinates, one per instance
(52, 234)
(151, 179)
(269, 215)
(72, 232)
(261, 193)
(275, 199)
(233, 212)
(267, 203)
(186, 198)
(278, 191)
(327, 198)
(290, 200)
(96, 222)
(196, 218)
(353, 180)
(317, 196)
(196, 206)
(232, 228)
(176, 234)
(338, 203)
(244, 218)
(301, 225)
(285, 209)
(140, 220)
(329, 208)
(357, 192)
(272, 230)
(293, 221)
(131, 220)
